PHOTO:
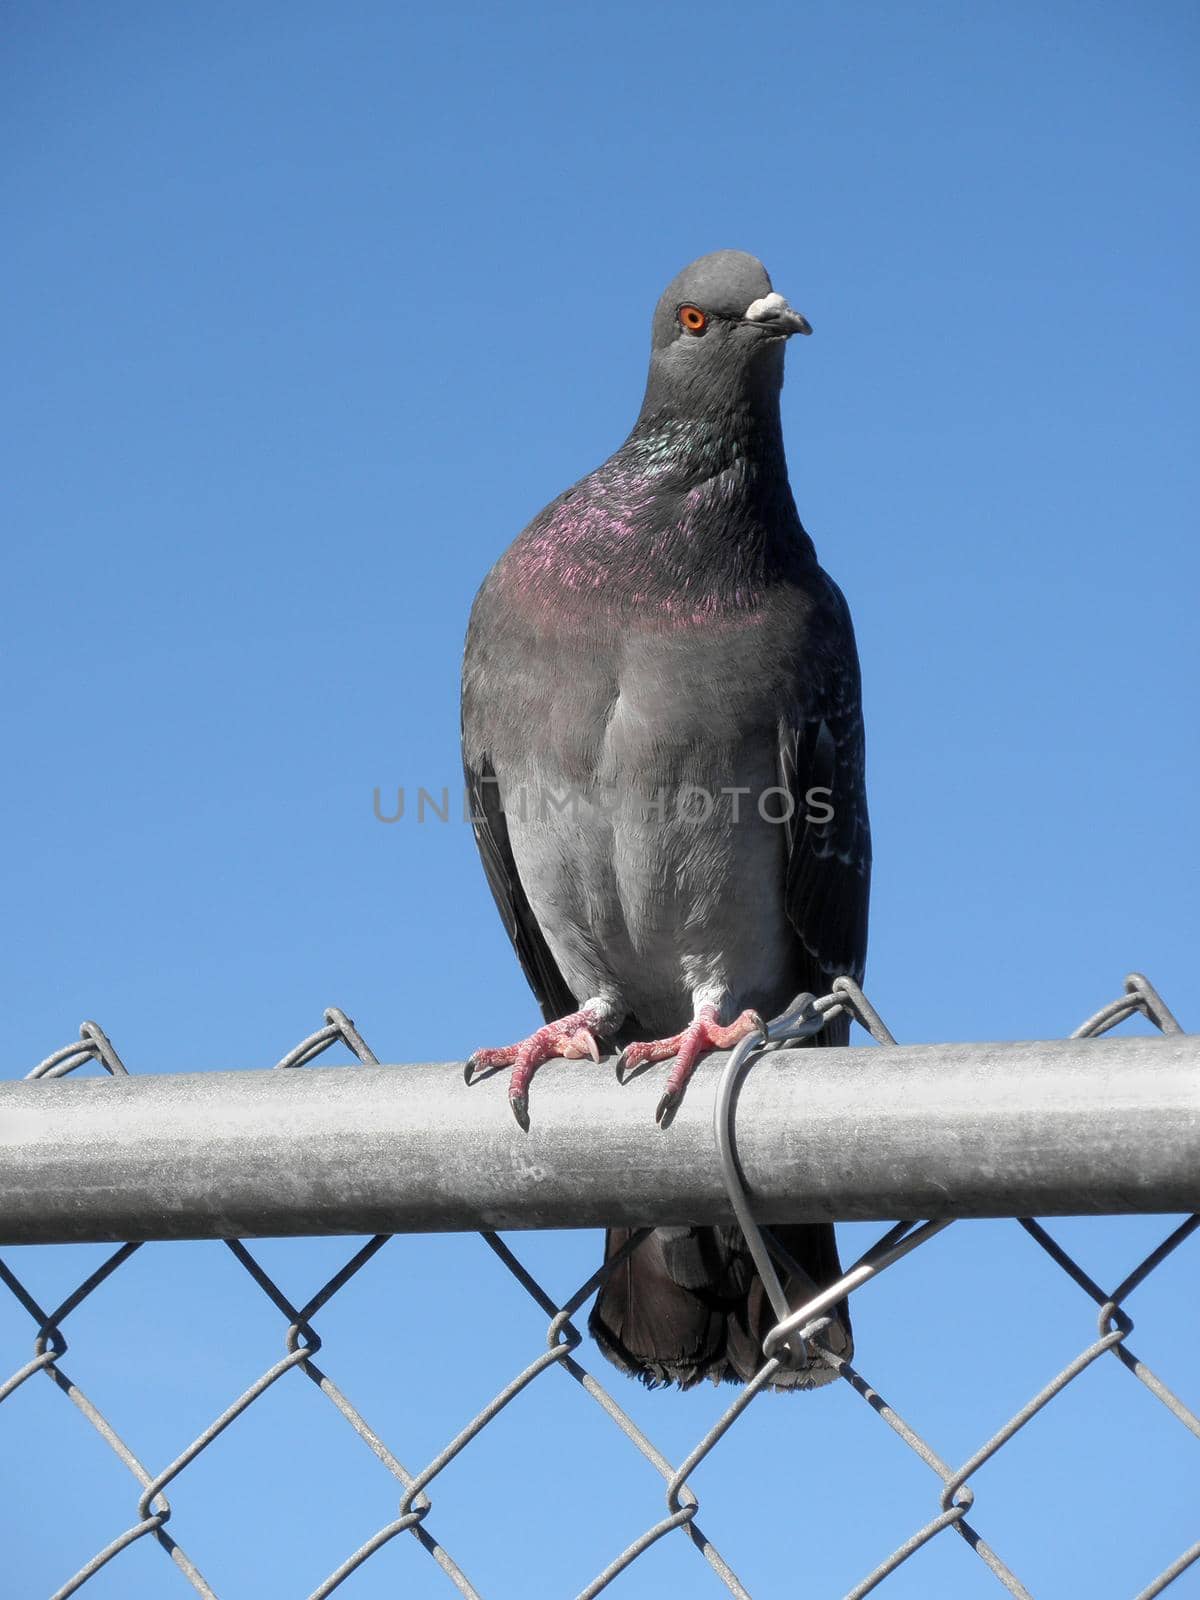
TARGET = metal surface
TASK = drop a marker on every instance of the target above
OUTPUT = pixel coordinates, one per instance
(1106, 1337)
(951, 1130)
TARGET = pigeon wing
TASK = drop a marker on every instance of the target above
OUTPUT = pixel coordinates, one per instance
(491, 835)
(822, 767)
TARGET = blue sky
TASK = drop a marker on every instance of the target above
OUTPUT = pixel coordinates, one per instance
(310, 309)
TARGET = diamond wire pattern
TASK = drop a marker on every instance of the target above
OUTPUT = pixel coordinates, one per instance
(302, 1343)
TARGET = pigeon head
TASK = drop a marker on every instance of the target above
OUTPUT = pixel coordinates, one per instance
(717, 339)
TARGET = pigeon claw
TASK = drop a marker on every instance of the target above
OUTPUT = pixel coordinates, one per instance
(573, 1037)
(665, 1113)
(702, 1034)
(581, 1043)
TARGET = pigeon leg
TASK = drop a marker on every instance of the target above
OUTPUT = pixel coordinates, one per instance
(573, 1036)
(702, 1034)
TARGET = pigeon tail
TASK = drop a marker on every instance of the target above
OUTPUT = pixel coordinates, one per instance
(687, 1305)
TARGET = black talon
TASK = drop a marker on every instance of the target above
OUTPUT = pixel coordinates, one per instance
(667, 1107)
(472, 1063)
(619, 1066)
(520, 1110)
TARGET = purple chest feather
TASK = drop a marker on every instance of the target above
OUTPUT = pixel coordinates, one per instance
(642, 537)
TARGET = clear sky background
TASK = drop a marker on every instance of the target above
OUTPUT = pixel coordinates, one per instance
(308, 310)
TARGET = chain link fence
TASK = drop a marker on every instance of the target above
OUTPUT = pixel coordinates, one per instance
(951, 1504)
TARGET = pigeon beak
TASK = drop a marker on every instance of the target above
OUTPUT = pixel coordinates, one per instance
(773, 313)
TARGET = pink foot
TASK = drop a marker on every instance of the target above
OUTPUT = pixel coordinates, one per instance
(700, 1036)
(573, 1037)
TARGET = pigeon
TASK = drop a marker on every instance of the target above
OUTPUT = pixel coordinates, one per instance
(664, 759)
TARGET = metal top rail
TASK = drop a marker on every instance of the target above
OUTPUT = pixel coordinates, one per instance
(949, 1130)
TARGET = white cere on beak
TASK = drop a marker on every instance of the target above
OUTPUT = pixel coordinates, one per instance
(771, 305)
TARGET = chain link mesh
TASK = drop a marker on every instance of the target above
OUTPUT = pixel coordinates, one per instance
(953, 1503)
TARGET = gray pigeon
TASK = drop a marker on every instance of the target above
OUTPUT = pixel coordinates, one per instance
(663, 745)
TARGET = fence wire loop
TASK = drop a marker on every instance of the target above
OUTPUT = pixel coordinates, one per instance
(94, 1045)
(804, 1019)
(1140, 995)
(338, 1029)
(798, 1338)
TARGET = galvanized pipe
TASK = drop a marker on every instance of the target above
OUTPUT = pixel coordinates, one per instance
(947, 1130)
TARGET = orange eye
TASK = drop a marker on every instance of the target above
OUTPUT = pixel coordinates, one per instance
(692, 319)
